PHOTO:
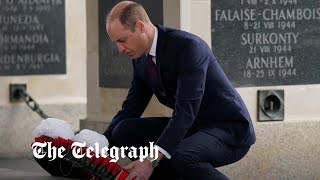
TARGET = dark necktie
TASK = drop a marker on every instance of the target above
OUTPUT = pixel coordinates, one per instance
(153, 73)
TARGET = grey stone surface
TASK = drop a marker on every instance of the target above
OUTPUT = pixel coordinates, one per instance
(284, 150)
(18, 122)
(23, 168)
(98, 126)
(27, 168)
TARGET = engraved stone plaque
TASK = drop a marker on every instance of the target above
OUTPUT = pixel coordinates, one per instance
(32, 37)
(267, 42)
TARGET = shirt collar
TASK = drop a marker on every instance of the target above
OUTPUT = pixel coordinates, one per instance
(154, 43)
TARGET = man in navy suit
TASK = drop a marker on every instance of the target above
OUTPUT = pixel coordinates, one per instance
(210, 125)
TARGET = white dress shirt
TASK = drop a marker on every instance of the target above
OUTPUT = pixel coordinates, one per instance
(153, 54)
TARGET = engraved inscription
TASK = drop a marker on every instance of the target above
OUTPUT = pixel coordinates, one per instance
(32, 37)
(267, 42)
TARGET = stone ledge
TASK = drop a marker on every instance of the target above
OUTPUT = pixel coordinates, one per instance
(282, 151)
(98, 126)
(18, 122)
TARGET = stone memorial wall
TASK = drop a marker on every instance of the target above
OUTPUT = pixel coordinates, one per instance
(32, 37)
(267, 42)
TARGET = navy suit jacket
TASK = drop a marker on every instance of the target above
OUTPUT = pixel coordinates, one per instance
(194, 86)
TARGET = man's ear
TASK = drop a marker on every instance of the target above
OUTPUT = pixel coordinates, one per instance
(140, 26)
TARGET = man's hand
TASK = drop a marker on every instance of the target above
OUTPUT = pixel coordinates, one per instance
(139, 170)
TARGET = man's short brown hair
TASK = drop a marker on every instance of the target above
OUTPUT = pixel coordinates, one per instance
(129, 15)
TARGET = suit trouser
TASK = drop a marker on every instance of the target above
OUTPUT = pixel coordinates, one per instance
(196, 156)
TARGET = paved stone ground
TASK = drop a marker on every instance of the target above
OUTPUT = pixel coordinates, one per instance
(27, 169)
(23, 168)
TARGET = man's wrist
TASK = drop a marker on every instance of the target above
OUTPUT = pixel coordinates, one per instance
(160, 156)
(153, 162)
